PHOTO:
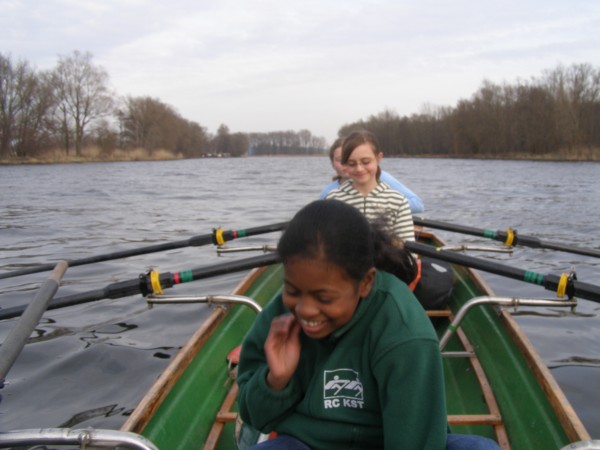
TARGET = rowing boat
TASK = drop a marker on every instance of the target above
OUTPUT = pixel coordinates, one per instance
(496, 384)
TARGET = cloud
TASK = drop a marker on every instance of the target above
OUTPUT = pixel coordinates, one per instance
(268, 65)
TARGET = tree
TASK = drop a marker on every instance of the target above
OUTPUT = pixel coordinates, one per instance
(193, 140)
(25, 99)
(82, 94)
(148, 123)
(9, 98)
(285, 142)
(239, 144)
(221, 142)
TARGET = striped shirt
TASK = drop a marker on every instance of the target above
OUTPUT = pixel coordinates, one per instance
(381, 201)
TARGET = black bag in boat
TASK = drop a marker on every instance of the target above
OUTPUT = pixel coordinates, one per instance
(434, 289)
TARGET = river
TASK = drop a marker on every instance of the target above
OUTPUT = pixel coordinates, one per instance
(88, 365)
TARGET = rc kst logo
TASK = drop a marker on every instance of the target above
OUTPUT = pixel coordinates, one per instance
(342, 388)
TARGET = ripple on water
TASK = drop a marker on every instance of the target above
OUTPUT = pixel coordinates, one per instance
(90, 364)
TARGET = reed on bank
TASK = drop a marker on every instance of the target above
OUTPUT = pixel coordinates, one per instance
(95, 154)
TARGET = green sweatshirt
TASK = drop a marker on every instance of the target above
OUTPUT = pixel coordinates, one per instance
(374, 383)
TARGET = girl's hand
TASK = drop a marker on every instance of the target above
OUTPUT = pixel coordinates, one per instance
(282, 349)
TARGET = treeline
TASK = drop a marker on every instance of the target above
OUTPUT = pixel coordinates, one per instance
(71, 109)
(554, 116)
(286, 143)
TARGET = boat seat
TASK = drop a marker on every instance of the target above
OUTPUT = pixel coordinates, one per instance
(438, 312)
(234, 355)
(474, 419)
(224, 416)
(233, 359)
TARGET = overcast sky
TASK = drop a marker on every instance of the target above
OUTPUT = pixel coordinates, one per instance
(278, 65)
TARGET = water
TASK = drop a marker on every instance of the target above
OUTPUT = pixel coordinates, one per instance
(89, 365)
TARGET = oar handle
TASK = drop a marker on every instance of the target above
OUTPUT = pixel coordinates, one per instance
(218, 236)
(465, 260)
(423, 222)
(143, 284)
(16, 339)
(167, 280)
(509, 237)
(549, 282)
(234, 234)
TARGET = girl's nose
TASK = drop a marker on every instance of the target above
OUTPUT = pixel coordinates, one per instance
(306, 308)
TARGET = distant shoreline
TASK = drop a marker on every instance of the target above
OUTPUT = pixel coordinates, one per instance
(587, 156)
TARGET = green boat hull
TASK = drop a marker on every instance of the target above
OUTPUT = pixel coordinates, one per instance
(531, 412)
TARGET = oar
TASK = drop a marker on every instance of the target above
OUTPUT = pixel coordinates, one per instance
(560, 284)
(152, 282)
(509, 237)
(16, 339)
(218, 236)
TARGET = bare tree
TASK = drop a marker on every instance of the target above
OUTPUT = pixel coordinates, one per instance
(82, 93)
(150, 124)
(238, 143)
(9, 82)
(25, 99)
(285, 142)
(193, 140)
(221, 142)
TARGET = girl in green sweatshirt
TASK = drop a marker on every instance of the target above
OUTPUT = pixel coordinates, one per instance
(345, 357)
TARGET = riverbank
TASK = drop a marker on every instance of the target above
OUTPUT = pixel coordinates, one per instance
(93, 154)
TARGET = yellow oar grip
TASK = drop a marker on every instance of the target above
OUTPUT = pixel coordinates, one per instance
(155, 281)
(562, 285)
(510, 237)
(219, 236)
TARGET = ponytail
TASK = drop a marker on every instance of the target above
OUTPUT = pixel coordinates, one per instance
(390, 254)
(341, 234)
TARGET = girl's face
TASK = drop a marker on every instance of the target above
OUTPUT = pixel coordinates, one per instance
(362, 165)
(320, 295)
(337, 165)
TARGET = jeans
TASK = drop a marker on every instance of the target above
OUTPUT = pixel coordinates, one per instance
(282, 442)
(453, 442)
(469, 442)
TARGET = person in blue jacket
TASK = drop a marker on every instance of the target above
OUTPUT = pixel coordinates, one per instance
(335, 157)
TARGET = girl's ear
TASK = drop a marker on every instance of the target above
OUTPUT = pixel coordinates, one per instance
(366, 283)
(379, 156)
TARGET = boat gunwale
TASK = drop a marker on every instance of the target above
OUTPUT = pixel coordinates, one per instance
(568, 418)
(160, 389)
(564, 412)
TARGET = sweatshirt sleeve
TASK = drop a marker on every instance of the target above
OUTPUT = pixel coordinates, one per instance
(415, 202)
(412, 396)
(327, 189)
(259, 405)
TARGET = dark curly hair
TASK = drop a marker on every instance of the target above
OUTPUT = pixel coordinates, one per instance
(340, 234)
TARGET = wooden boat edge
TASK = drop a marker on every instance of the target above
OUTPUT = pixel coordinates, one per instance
(566, 415)
(561, 406)
(153, 398)
(563, 409)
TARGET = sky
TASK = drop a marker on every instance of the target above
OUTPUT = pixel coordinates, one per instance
(273, 65)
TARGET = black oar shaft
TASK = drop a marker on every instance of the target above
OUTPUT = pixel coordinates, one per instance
(422, 222)
(550, 282)
(503, 236)
(195, 241)
(168, 279)
(141, 285)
